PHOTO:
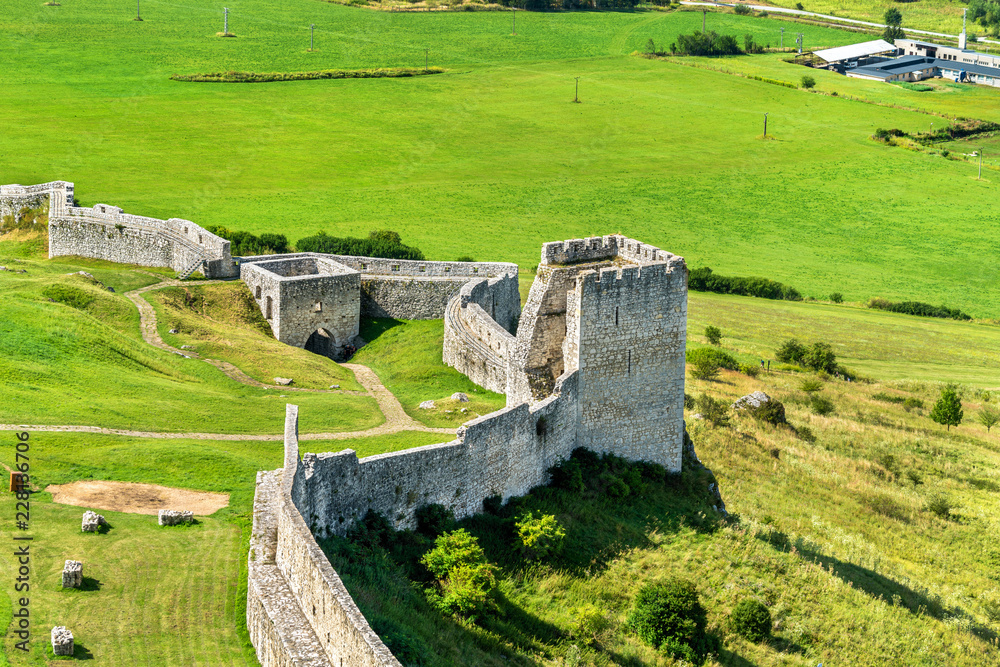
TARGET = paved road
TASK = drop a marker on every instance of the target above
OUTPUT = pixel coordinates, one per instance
(840, 19)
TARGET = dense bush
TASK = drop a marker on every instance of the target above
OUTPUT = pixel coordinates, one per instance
(264, 77)
(541, 536)
(434, 519)
(384, 243)
(707, 44)
(465, 581)
(751, 370)
(669, 617)
(917, 308)
(751, 620)
(713, 335)
(818, 356)
(703, 280)
(714, 411)
(810, 386)
(948, 409)
(245, 244)
(772, 412)
(940, 506)
(742, 10)
(808, 82)
(837, 297)
(704, 368)
(820, 405)
(720, 358)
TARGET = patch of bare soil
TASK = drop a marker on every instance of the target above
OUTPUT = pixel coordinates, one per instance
(136, 498)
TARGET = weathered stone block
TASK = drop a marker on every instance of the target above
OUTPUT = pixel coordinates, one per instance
(174, 517)
(92, 522)
(62, 641)
(72, 575)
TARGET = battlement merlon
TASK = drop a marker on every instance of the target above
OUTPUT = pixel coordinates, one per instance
(634, 277)
(598, 248)
(15, 189)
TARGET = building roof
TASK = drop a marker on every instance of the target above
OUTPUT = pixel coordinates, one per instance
(854, 51)
(908, 64)
(903, 65)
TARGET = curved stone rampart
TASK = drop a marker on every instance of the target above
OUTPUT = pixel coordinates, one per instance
(106, 232)
(475, 343)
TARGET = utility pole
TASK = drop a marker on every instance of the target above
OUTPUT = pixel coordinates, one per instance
(513, 27)
(138, 17)
(782, 38)
(312, 28)
(765, 125)
(576, 97)
(225, 29)
(426, 58)
(704, 12)
(799, 40)
(980, 177)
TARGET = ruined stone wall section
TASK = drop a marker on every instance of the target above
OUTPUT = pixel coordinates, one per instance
(632, 328)
(477, 331)
(505, 453)
(58, 194)
(299, 612)
(416, 290)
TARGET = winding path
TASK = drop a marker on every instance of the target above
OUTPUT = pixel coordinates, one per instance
(396, 419)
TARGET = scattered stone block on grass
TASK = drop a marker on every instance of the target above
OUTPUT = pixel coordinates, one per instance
(751, 401)
(427, 405)
(174, 517)
(461, 397)
(92, 522)
(62, 641)
(72, 575)
(284, 382)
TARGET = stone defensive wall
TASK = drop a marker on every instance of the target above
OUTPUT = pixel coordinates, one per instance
(299, 614)
(409, 289)
(106, 232)
(479, 331)
(54, 195)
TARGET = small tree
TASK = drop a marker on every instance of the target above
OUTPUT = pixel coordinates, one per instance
(650, 49)
(669, 617)
(948, 409)
(837, 297)
(714, 411)
(808, 82)
(540, 536)
(988, 416)
(465, 581)
(751, 620)
(713, 335)
(893, 25)
(705, 369)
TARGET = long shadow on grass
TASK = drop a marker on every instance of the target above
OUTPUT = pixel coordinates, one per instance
(371, 329)
(864, 579)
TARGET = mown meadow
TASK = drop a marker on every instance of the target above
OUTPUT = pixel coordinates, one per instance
(657, 150)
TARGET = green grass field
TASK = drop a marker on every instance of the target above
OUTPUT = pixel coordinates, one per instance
(665, 153)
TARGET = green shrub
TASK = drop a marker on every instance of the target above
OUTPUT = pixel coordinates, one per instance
(720, 358)
(913, 403)
(617, 487)
(588, 621)
(810, 386)
(705, 369)
(568, 475)
(751, 620)
(742, 10)
(948, 409)
(805, 434)
(837, 297)
(790, 352)
(714, 411)
(818, 356)
(264, 77)
(540, 537)
(464, 258)
(688, 401)
(245, 244)
(750, 370)
(886, 506)
(917, 308)
(713, 335)
(940, 506)
(669, 617)
(703, 280)
(988, 416)
(465, 581)
(772, 412)
(707, 44)
(383, 243)
(808, 82)
(434, 519)
(820, 405)
(492, 505)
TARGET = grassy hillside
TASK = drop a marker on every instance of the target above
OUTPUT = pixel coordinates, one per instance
(832, 532)
(662, 152)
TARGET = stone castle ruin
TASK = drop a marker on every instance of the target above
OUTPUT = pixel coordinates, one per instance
(595, 360)
(106, 232)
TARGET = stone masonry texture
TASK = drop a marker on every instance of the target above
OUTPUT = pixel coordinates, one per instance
(596, 359)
